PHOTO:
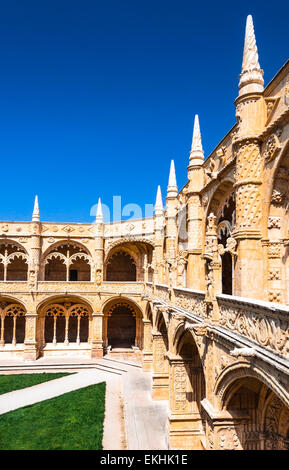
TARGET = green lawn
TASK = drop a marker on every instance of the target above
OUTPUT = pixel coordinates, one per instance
(8, 383)
(73, 421)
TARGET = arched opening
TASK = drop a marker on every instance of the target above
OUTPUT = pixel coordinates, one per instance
(227, 274)
(187, 390)
(121, 329)
(227, 244)
(121, 267)
(160, 389)
(67, 262)
(260, 418)
(277, 226)
(148, 340)
(129, 261)
(65, 323)
(12, 323)
(13, 262)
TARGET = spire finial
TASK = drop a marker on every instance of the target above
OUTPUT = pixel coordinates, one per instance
(196, 153)
(172, 189)
(36, 215)
(99, 213)
(251, 77)
(159, 208)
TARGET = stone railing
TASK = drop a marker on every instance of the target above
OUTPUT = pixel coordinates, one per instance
(192, 301)
(72, 287)
(12, 286)
(264, 323)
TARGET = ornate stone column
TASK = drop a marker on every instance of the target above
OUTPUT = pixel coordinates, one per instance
(97, 268)
(195, 267)
(31, 351)
(213, 270)
(96, 335)
(35, 248)
(251, 117)
(148, 346)
(184, 421)
(159, 223)
(247, 232)
(160, 390)
(171, 226)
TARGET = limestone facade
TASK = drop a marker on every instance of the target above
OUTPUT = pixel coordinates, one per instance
(200, 290)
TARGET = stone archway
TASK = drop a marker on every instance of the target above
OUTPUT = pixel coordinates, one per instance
(13, 261)
(67, 261)
(253, 415)
(64, 326)
(122, 325)
(126, 260)
(121, 267)
(187, 390)
(12, 315)
(277, 246)
(160, 389)
(148, 339)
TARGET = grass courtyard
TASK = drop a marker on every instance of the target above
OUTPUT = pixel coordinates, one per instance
(10, 383)
(73, 421)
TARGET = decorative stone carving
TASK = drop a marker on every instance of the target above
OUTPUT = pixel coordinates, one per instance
(274, 249)
(277, 197)
(228, 439)
(274, 222)
(272, 147)
(274, 296)
(268, 329)
(274, 274)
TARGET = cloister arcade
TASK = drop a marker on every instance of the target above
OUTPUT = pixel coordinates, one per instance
(68, 261)
(13, 261)
(198, 292)
(125, 261)
(248, 409)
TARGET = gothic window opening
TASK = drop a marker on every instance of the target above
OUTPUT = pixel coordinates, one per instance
(13, 263)
(66, 323)
(266, 418)
(121, 267)
(68, 262)
(227, 244)
(12, 324)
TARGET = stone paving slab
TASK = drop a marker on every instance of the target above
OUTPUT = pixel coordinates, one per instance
(145, 419)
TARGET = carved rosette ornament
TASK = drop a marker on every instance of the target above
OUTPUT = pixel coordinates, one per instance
(272, 147)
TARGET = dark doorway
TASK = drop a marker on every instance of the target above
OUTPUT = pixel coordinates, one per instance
(73, 275)
(121, 328)
(227, 274)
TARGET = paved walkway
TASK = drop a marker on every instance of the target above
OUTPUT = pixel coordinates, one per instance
(132, 419)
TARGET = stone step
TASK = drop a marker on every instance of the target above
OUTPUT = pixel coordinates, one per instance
(40, 367)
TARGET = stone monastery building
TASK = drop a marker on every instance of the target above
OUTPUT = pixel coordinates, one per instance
(199, 291)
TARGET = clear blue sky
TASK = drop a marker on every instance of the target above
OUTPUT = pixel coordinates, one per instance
(96, 97)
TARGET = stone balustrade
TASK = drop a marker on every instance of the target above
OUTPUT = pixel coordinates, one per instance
(264, 323)
(72, 286)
